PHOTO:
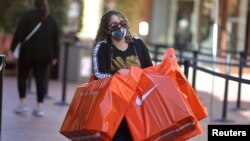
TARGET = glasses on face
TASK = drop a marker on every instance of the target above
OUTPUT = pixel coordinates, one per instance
(116, 25)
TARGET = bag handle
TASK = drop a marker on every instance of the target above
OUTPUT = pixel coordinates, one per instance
(33, 31)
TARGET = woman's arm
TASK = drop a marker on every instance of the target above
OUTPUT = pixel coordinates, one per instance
(99, 61)
(19, 33)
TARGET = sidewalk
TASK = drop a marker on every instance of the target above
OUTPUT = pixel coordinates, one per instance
(211, 92)
(30, 128)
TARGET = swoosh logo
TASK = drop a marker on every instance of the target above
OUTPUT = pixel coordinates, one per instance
(145, 95)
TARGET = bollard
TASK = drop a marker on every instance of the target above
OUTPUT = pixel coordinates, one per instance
(224, 109)
(180, 47)
(65, 73)
(241, 64)
(69, 40)
(64, 79)
(238, 103)
(186, 67)
(195, 53)
(225, 100)
(156, 53)
(2, 67)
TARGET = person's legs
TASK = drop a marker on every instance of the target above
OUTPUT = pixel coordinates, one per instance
(22, 74)
(46, 95)
(41, 78)
(123, 133)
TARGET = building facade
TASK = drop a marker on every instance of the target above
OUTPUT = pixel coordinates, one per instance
(177, 21)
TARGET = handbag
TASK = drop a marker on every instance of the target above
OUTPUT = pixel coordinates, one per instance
(16, 52)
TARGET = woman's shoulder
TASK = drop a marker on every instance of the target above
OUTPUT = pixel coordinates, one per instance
(51, 18)
(138, 42)
(100, 46)
(30, 13)
(26, 14)
(134, 39)
(100, 43)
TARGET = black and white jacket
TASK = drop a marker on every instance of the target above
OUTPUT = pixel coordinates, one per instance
(102, 56)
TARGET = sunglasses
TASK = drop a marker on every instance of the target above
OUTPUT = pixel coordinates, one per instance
(116, 25)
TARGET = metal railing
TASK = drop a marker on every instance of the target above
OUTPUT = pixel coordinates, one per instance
(193, 60)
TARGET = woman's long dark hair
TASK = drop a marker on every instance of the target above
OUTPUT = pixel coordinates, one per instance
(42, 7)
(103, 33)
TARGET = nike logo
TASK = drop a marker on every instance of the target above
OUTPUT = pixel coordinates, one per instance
(145, 95)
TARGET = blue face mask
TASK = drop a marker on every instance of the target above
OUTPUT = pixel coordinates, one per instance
(119, 34)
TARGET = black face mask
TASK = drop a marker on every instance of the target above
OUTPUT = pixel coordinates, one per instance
(119, 34)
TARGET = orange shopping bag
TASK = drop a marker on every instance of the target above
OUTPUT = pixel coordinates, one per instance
(97, 109)
(157, 110)
(196, 105)
(169, 67)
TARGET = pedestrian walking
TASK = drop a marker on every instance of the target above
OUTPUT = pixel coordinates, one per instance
(37, 32)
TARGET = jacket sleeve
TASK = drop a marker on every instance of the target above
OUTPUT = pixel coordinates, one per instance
(55, 40)
(20, 32)
(100, 61)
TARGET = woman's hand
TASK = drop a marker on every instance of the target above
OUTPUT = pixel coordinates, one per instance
(10, 56)
(54, 62)
(123, 72)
